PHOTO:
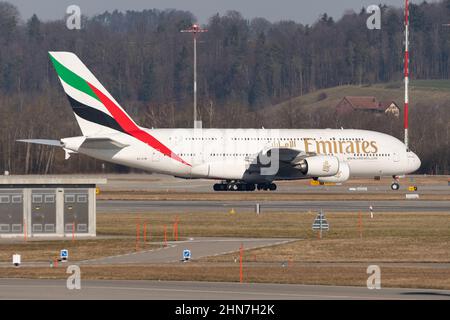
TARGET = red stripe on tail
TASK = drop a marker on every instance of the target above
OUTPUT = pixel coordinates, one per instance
(132, 129)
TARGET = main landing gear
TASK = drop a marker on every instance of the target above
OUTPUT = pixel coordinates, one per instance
(395, 185)
(242, 186)
(267, 186)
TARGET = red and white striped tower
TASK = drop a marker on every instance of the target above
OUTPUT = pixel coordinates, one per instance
(406, 109)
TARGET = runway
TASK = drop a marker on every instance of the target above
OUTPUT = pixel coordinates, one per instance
(161, 290)
(111, 206)
(157, 182)
(200, 248)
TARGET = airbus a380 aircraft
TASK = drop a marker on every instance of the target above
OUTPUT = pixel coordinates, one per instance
(242, 159)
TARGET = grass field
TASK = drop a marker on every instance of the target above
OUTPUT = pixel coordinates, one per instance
(412, 249)
(406, 277)
(262, 196)
(389, 237)
(46, 251)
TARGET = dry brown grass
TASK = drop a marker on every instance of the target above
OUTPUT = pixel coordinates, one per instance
(420, 236)
(208, 224)
(40, 251)
(420, 277)
(389, 237)
(408, 246)
(259, 196)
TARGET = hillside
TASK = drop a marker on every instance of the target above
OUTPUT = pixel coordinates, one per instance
(422, 92)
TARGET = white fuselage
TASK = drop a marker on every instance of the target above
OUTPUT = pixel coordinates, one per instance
(227, 153)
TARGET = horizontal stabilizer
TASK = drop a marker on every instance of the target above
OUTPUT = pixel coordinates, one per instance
(53, 143)
(102, 143)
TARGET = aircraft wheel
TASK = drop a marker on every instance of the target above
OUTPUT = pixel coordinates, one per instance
(395, 186)
(272, 187)
(220, 187)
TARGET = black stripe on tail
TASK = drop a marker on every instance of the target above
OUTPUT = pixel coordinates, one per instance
(94, 115)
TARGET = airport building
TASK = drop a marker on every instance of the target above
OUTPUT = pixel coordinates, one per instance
(48, 206)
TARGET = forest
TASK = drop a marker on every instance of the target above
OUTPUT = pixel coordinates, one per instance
(244, 67)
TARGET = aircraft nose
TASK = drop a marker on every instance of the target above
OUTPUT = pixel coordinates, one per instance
(418, 162)
(415, 162)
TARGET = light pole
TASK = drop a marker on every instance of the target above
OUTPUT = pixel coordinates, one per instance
(195, 29)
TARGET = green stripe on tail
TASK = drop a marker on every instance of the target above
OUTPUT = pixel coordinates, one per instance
(72, 79)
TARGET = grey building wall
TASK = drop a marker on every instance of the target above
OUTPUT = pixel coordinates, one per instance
(47, 211)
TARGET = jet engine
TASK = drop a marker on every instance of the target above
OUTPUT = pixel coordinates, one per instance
(319, 166)
(342, 175)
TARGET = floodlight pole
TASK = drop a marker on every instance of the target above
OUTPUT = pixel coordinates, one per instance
(195, 29)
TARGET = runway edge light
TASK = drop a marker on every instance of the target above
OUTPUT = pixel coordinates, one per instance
(16, 260)
(186, 255)
(64, 255)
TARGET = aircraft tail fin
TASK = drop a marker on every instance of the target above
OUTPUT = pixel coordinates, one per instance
(95, 109)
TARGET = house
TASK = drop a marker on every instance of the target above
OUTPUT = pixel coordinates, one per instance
(366, 104)
(391, 108)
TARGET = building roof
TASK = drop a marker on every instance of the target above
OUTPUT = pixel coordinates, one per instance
(369, 103)
(50, 180)
(387, 104)
(363, 102)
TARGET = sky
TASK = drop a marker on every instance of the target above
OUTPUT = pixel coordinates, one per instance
(303, 11)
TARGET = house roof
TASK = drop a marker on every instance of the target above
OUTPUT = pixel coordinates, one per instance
(368, 103)
(387, 104)
(363, 102)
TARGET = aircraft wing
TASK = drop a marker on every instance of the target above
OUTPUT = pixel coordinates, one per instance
(286, 156)
(286, 162)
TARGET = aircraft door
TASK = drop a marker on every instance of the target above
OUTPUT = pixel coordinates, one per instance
(396, 157)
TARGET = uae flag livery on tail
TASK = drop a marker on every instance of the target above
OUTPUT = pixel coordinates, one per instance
(96, 111)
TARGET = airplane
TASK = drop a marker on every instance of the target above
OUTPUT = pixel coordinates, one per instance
(241, 159)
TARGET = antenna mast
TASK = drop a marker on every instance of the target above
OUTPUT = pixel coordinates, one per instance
(406, 108)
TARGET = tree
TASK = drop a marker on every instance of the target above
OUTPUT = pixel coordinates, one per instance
(9, 18)
(34, 28)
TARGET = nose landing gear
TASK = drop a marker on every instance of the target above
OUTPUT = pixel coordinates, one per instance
(395, 185)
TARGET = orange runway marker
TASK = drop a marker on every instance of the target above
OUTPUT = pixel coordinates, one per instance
(290, 262)
(175, 229)
(360, 225)
(145, 233)
(165, 236)
(241, 264)
(138, 231)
